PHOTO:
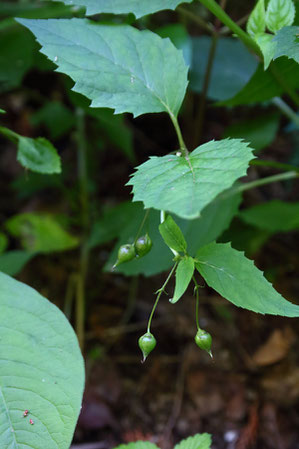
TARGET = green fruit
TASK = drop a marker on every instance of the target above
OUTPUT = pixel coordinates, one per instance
(125, 254)
(204, 340)
(143, 245)
(147, 343)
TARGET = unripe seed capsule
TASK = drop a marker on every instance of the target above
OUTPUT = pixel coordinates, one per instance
(147, 343)
(204, 341)
(143, 245)
(125, 254)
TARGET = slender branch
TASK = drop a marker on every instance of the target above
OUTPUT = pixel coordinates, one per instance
(197, 302)
(11, 135)
(177, 128)
(197, 19)
(160, 291)
(216, 9)
(279, 165)
(286, 110)
(141, 225)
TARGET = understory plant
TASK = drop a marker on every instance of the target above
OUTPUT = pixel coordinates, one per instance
(182, 201)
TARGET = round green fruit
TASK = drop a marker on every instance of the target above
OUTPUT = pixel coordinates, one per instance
(125, 254)
(204, 341)
(147, 343)
(143, 245)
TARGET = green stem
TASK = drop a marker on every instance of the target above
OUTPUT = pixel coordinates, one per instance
(215, 9)
(14, 137)
(286, 110)
(261, 182)
(142, 224)
(197, 303)
(84, 203)
(273, 164)
(161, 290)
(177, 128)
(197, 19)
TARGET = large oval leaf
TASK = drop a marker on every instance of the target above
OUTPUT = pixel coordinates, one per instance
(138, 7)
(184, 186)
(41, 370)
(117, 67)
(237, 279)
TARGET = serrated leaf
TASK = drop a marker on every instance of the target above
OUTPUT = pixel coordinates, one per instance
(40, 233)
(280, 13)
(185, 187)
(267, 46)
(199, 441)
(183, 276)
(273, 216)
(287, 43)
(42, 370)
(38, 155)
(128, 70)
(257, 20)
(263, 86)
(238, 280)
(12, 262)
(138, 7)
(138, 445)
(172, 235)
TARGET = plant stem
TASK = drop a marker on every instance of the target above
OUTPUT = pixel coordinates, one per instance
(141, 225)
(160, 291)
(177, 128)
(197, 19)
(14, 137)
(215, 9)
(286, 110)
(197, 303)
(84, 203)
(279, 165)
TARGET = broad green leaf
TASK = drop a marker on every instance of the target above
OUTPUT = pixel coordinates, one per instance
(179, 36)
(124, 222)
(40, 233)
(128, 70)
(274, 216)
(287, 43)
(183, 276)
(3, 242)
(138, 445)
(42, 370)
(172, 235)
(263, 86)
(237, 279)
(257, 20)
(267, 45)
(56, 117)
(12, 262)
(16, 56)
(138, 7)
(232, 68)
(258, 132)
(38, 155)
(199, 441)
(280, 13)
(185, 187)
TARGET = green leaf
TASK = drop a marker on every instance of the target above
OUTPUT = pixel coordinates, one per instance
(12, 262)
(232, 68)
(179, 36)
(267, 45)
(183, 276)
(128, 70)
(287, 43)
(172, 235)
(40, 233)
(199, 441)
(186, 186)
(16, 56)
(259, 132)
(38, 155)
(57, 118)
(236, 278)
(257, 20)
(138, 445)
(138, 7)
(3, 242)
(42, 370)
(274, 216)
(280, 13)
(2, 111)
(263, 86)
